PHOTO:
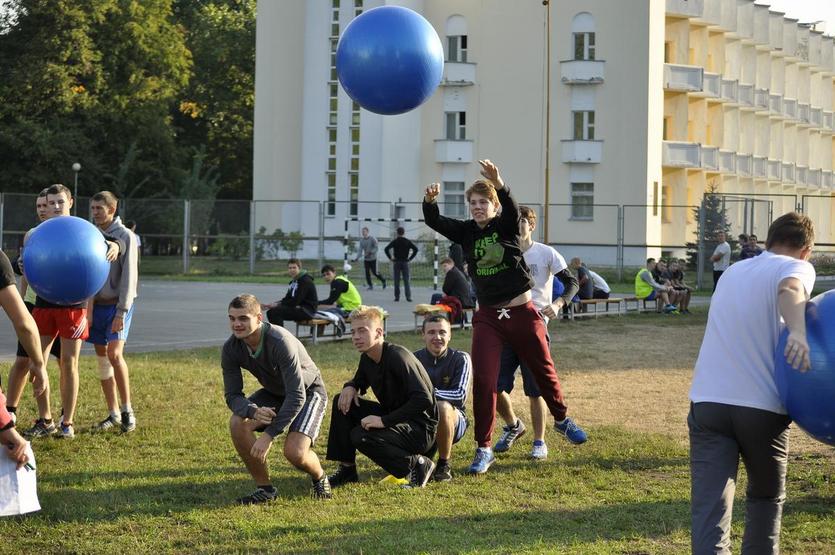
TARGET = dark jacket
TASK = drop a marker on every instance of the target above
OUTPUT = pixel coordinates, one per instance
(456, 285)
(401, 385)
(302, 293)
(404, 250)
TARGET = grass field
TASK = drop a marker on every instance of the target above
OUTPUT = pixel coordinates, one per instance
(169, 486)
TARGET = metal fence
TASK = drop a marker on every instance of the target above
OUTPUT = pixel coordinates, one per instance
(240, 237)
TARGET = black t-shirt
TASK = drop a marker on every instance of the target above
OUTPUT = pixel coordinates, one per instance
(6, 272)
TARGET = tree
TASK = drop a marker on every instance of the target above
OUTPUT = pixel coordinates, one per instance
(715, 220)
(90, 81)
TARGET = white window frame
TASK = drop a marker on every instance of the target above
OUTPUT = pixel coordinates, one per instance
(586, 43)
(454, 205)
(583, 125)
(582, 210)
(455, 126)
(457, 48)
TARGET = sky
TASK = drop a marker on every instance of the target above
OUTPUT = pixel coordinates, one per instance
(807, 11)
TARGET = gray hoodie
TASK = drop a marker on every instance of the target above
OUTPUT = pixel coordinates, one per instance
(123, 279)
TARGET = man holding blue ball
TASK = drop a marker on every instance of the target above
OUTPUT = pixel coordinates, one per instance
(735, 408)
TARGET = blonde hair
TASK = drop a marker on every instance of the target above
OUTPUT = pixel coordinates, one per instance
(370, 313)
(483, 188)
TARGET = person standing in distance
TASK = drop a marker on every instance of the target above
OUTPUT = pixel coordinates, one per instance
(368, 253)
(401, 251)
(721, 257)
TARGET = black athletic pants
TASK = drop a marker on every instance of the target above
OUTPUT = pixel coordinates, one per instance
(278, 314)
(395, 448)
(371, 269)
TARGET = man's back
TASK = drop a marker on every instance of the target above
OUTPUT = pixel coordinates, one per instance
(736, 361)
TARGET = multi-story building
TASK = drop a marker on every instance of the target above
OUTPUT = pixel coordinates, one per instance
(652, 103)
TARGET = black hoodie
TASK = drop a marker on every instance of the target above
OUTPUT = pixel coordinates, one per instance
(302, 293)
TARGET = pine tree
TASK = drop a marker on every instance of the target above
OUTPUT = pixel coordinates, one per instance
(715, 220)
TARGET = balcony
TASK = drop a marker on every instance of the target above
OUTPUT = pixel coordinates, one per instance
(683, 78)
(685, 8)
(814, 178)
(761, 99)
(775, 32)
(712, 12)
(582, 72)
(826, 179)
(745, 20)
(801, 175)
(803, 113)
(816, 116)
(745, 95)
(453, 152)
(775, 105)
(827, 121)
(745, 165)
(712, 84)
(760, 167)
(680, 154)
(727, 161)
(790, 108)
(727, 20)
(761, 25)
(788, 172)
(458, 74)
(729, 90)
(710, 158)
(582, 152)
(774, 171)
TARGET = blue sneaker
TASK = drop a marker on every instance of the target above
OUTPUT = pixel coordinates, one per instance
(482, 461)
(509, 436)
(571, 431)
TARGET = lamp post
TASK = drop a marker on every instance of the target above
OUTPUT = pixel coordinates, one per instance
(76, 167)
(547, 5)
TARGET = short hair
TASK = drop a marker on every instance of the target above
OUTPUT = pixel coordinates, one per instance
(130, 224)
(364, 312)
(649, 260)
(43, 192)
(435, 317)
(575, 261)
(247, 302)
(447, 260)
(528, 213)
(483, 188)
(791, 230)
(742, 237)
(328, 268)
(295, 261)
(752, 236)
(108, 198)
(401, 231)
(57, 189)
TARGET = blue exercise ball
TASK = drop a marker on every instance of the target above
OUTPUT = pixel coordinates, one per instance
(64, 260)
(809, 397)
(389, 60)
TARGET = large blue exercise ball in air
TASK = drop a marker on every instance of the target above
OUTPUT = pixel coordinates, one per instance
(389, 60)
(64, 260)
(809, 397)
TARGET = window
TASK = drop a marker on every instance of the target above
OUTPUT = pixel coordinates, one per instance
(583, 125)
(584, 46)
(456, 124)
(457, 48)
(666, 209)
(357, 7)
(654, 198)
(454, 205)
(582, 201)
(331, 205)
(354, 193)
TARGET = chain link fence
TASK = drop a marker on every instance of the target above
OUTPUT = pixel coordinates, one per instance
(240, 237)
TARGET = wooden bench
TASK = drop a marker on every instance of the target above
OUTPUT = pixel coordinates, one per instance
(585, 304)
(466, 320)
(315, 325)
(641, 305)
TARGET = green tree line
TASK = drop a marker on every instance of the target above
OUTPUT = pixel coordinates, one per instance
(154, 98)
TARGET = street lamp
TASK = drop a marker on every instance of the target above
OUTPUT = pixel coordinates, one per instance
(76, 167)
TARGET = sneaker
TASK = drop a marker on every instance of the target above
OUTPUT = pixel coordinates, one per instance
(539, 451)
(128, 422)
(571, 431)
(443, 473)
(343, 475)
(260, 495)
(670, 308)
(107, 424)
(509, 436)
(421, 472)
(322, 488)
(40, 429)
(384, 284)
(65, 431)
(483, 459)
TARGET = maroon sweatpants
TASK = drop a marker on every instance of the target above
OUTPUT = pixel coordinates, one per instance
(524, 330)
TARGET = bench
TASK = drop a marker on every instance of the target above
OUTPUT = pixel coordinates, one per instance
(585, 304)
(316, 326)
(641, 305)
(466, 313)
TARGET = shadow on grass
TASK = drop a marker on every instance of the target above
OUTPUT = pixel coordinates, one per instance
(497, 532)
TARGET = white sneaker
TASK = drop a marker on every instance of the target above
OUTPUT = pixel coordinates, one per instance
(539, 452)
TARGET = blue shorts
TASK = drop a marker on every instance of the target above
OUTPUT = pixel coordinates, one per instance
(461, 425)
(507, 373)
(103, 315)
(651, 296)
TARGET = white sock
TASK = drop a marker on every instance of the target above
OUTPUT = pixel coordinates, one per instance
(127, 408)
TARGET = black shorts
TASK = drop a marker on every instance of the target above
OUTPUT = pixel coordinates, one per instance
(309, 419)
(56, 345)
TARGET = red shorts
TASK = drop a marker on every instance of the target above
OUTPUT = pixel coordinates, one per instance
(69, 323)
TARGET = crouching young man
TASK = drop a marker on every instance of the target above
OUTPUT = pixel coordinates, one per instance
(292, 397)
(398, 431)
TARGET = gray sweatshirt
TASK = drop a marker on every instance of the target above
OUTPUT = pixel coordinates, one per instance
(281, 365)
(368, 247)
(124, 271)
